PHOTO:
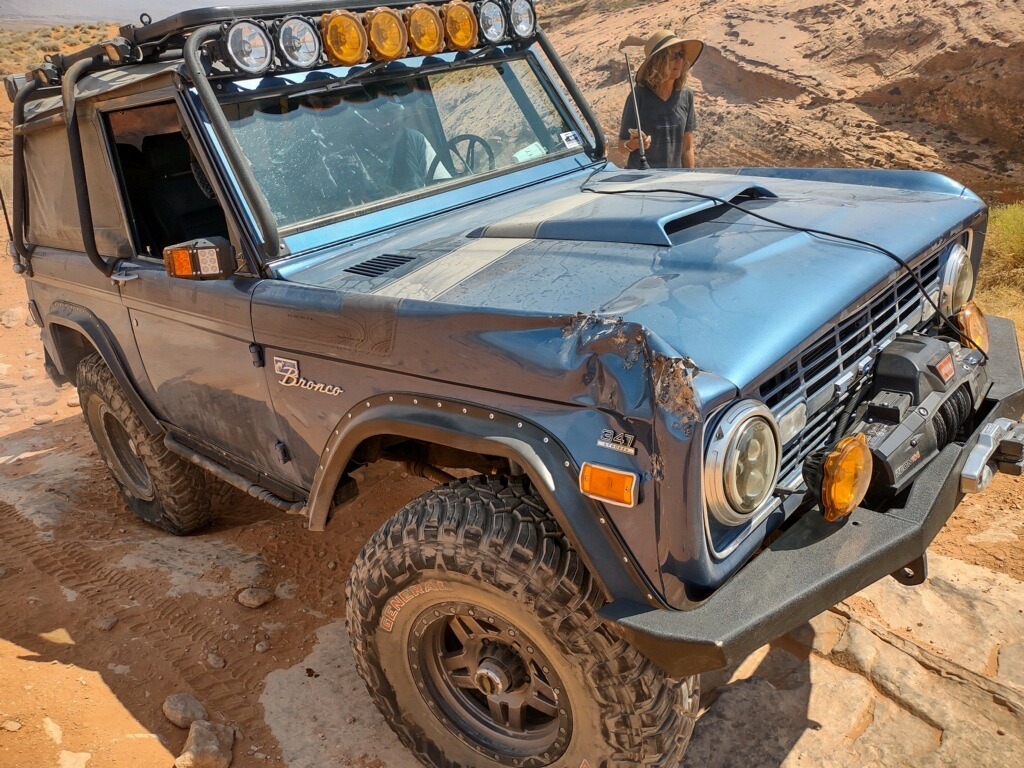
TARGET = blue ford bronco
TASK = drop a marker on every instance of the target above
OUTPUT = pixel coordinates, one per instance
(670, 415)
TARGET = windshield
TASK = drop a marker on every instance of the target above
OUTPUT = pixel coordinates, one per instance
(320, 156)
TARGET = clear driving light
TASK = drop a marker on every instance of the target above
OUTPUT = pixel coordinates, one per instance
(493, 25)
(248, 48)
(957, 281)
(741, 467)
(524, 20)
(298, 42)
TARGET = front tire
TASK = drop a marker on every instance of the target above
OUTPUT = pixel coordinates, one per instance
(475, 629)
(159, 486)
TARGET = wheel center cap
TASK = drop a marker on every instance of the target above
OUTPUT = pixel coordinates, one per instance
(492, 678)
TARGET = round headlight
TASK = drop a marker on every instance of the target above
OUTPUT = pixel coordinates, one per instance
(389, 38)
(344, 38)
(524, 21)
(957, 281)
(460, 26)
(493, 25)
(248, 47)
(742, 464)
(298, 42)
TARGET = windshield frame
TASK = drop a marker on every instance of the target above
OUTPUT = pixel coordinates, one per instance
(300, 237)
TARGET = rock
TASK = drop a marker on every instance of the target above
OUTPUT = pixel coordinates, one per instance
(105, 624)
(1011, 664)
(41, 420)
(44, 400)
(11, 725)
(215, 661)
(262, 646)
(254, 597)
(183, 709)
(208, 746)
(13, 317)
(332, 565)
(73, 402)
(28, 375)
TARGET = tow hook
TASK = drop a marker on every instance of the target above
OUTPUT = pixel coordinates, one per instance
(1000, 448)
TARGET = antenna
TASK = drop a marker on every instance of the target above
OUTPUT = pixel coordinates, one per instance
(636, 108)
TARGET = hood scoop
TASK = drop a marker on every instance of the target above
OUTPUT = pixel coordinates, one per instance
(645, 210)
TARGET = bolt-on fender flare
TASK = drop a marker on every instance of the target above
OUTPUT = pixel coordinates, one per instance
(468, 427)
(85, 322)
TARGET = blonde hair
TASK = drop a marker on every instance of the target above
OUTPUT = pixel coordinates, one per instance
(657, 72)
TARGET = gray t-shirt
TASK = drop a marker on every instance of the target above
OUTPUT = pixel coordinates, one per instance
(664, 121)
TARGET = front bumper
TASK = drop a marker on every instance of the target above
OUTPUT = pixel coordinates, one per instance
(815, 564)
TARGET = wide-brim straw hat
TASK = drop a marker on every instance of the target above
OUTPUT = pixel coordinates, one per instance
(662, 40)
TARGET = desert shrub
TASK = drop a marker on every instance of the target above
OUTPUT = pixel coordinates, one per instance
(1003, 265)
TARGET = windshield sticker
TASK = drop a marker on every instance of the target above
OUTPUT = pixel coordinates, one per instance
(571, 140)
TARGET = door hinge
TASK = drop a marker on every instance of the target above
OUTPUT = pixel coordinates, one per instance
(282, 452)
(257, 355)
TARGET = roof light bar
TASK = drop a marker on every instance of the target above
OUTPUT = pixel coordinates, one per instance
(493, 22)
(461, 29)
(246, 47)
(426, 30)
(389, 39)
(522, 18)
(345, 40)
(298, 42)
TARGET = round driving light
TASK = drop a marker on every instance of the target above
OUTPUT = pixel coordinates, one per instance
(344, 38)
(248, 48)
(973, 325)
(524, 20)
(298, 42)
(493, 25)
(461, 31)
(388, 37)
(957, 281)
(742, 463)
(845, 477)
(426, 32)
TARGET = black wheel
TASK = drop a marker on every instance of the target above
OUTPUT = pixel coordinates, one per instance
(159, 486)
(475, 629)
(467, 157)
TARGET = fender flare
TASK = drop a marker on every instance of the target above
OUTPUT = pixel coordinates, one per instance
(85, 322)
(462, 425)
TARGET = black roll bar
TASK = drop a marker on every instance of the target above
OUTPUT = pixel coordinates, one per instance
(71, 78)
(250, 189)
(23, 251)
(600, 145)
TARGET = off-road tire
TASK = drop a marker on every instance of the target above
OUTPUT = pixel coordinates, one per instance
(490, 542)
(159, 486)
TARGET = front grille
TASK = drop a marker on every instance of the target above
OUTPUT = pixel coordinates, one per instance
(814, 373)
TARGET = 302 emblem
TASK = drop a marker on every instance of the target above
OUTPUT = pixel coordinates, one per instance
(617, 441)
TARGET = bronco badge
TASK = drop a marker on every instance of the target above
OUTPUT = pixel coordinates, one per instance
(288, 370)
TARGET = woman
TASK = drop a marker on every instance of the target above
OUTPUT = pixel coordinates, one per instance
(667, 118)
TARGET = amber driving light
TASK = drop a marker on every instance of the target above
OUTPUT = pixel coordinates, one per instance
(612, 486)
(203, 259)
(388, 37)
(973, 325)
(461, 31)
(426, 31)
(841, 476)
(345, 40)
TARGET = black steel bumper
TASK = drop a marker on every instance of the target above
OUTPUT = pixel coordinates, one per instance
(816, 564)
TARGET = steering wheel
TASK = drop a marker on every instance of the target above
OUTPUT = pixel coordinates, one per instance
(468, 157)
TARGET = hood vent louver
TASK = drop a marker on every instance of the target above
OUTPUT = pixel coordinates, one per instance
(379, 265)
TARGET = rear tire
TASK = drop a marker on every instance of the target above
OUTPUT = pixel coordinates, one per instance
(475, 629)
(159, 486)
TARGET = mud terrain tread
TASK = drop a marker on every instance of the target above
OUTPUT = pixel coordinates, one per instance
(185, 493)
(498, 532)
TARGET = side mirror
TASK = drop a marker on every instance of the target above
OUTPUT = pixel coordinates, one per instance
(208, 258)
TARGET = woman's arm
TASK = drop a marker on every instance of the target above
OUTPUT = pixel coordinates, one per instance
(687, 160)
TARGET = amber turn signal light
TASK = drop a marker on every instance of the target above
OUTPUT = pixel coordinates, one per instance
(204, 259)
(973, 325)
(613, 486)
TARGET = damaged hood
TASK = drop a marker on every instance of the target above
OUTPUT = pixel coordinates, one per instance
(715, 284)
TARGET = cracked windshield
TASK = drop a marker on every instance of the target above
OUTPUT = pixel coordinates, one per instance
(374, 142)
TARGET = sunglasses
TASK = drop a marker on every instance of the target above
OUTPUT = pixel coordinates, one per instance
(677, 55)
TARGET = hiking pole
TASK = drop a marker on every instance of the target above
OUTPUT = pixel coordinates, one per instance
(636, 108)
